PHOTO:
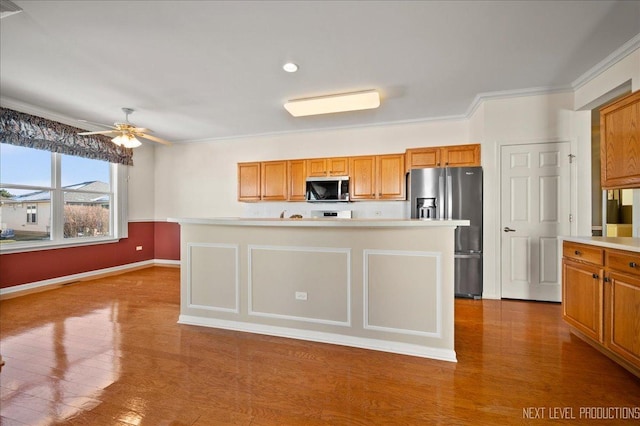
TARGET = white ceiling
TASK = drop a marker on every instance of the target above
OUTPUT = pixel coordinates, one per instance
(196, 70)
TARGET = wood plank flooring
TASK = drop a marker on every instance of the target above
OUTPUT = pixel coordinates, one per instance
(109, 352)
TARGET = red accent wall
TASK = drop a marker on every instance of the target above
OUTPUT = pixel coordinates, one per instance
(159, 240)
(167, 240)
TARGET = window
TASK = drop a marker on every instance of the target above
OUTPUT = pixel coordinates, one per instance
(32, 213)
(49, 198)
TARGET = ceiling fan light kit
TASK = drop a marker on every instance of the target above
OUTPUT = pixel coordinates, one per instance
(341, 102)
(127, 141)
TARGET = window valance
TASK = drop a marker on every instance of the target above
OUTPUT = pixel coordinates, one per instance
(18, 128)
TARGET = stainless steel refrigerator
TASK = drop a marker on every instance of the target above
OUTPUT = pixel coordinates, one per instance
(454, 193)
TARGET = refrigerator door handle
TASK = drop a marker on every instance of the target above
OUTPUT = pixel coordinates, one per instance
(449, 196)
(441, 194)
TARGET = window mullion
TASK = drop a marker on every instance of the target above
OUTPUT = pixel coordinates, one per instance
(57, 199)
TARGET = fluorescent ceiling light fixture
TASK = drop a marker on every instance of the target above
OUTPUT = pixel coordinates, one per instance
(340, 102)
(128, 141)
(290, 67)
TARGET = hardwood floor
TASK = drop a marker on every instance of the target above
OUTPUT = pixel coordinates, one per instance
(109, 352)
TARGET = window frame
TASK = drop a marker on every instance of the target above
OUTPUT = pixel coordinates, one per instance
(118, 220)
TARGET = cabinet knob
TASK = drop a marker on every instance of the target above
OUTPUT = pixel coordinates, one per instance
(577, 253)
(633, 265)
(606, 279)
(595, 276)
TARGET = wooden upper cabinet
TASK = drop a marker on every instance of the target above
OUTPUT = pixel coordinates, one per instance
(419, 158)
(320, 167)
(443, 156)
(379, 177)
(391, 181)
(362, 180)
(461, 155)
(297, 180)
(249, 182)
(620, 143)
(274, 181)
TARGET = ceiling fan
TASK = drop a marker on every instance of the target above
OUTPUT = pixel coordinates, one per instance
(126, 133)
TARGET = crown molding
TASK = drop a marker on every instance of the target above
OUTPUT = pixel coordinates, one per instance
(617, 55)
(517, 93)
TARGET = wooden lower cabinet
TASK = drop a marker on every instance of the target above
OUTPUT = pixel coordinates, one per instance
(601, 300)
(582, 296)
(623, 317)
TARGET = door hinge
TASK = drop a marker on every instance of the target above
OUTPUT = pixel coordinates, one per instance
(570, 218)
(571, 157)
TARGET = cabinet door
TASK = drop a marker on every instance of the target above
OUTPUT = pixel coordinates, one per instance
(362, 178)
(338, 166)
(620, 143)
(623, 311)
(248, 181)
(461, 156)
(317, 167)
(297, 180)
(582, 298)
(274, 181)
(391, 182)
(418, 158)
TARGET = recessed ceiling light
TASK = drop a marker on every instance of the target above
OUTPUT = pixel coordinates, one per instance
(341, 102)
(290, 67)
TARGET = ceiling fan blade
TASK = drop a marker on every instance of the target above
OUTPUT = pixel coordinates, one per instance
(102, 132)
(97, 124)
(154, 139)
(141, 130)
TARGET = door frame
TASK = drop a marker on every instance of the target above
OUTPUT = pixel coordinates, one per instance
(497, 218)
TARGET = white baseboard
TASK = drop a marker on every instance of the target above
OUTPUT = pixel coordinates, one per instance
(19, 290)
(322, 337)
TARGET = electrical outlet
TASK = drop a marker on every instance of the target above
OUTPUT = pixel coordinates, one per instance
(301, 295)
(138, 248)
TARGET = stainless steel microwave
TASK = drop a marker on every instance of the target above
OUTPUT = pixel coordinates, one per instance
(328, 189)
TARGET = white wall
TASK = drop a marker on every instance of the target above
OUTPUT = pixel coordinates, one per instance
(142, 187)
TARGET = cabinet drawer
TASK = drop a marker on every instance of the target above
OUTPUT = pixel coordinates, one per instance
(583, 252)
(623, 261)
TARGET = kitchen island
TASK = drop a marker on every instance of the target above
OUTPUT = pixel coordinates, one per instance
(382, 284)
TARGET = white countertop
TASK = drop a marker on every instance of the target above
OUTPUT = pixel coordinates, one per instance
(321, 222)
(620, 243)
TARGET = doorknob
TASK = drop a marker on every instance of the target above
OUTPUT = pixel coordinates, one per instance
(507, 229)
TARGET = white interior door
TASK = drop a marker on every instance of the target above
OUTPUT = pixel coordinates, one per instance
(535, 207)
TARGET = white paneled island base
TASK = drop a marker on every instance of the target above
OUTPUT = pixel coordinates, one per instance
(377, 284)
